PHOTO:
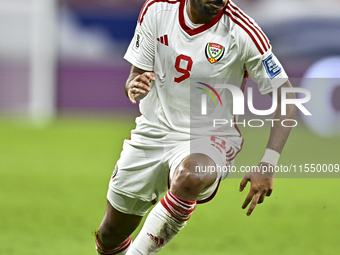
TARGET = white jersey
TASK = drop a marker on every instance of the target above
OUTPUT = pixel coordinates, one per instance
(179, 52)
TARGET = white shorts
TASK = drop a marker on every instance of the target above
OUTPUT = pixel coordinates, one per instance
(150, 158)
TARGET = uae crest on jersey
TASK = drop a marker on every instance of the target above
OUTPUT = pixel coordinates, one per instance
(214, 52)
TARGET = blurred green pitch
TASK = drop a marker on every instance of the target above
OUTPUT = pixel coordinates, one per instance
(53, 184)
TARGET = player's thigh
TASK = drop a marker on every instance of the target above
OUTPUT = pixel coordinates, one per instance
(141, 171)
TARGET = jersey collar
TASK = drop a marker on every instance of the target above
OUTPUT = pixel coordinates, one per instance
(199, 29)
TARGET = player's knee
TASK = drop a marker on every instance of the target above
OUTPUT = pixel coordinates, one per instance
(184, 178)
(187, 183)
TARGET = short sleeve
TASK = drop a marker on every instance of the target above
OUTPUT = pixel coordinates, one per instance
(265, 69)
(141, 51)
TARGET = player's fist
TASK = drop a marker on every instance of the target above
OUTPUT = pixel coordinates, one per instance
(140, 86)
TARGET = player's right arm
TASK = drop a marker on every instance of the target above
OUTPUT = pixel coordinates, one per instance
(141, 55)
(138, 84)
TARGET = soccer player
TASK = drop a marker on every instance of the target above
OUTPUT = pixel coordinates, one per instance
(176, 43)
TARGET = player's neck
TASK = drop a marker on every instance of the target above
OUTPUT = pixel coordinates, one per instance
(195, 15)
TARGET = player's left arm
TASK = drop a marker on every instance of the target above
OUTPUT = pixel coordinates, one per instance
(262, 182)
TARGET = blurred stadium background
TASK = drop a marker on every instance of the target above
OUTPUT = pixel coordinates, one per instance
(64, 115)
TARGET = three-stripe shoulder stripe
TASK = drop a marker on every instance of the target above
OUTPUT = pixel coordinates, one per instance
(252, 23)
(148, 3)
(240, 18)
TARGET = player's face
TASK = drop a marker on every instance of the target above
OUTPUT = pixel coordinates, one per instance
(210, 7)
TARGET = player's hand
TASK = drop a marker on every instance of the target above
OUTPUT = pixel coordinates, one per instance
(140, 86)
(261, 186)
